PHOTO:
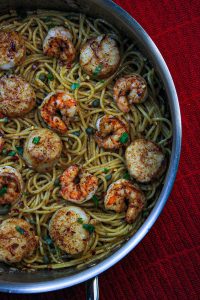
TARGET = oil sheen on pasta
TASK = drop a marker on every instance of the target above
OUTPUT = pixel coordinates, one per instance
(148, 120)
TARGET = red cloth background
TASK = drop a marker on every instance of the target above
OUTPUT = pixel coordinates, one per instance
(166, 265)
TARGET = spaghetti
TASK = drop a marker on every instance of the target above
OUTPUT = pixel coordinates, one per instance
(149, 120)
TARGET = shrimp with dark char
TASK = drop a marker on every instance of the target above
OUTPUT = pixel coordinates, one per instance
(129, 90)
(81, 191)
(11, 185)
(119, 193)
(57, 109)
(112, 132)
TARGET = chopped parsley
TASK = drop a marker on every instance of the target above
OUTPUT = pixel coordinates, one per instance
(3, 190)
(4, 120)
(11, 153)
(98, 70)
(36, 140)
(75, 86)
(105, 170)
(20, 150)
(95, 200)
(50, 76)
(20, 230)
(124, 138)
(89, 227)
(108, 177)
(80, 220)
(127, 176)
(4, 151)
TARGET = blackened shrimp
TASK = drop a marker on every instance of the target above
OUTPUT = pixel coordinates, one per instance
(100, 57)
(11, 185)
(56, 110)
(12, 49)
(122, 192)
(112, 132)
(129, 90)
(77, 185)
(58, 43)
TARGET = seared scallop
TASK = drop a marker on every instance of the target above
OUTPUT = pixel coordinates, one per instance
(17, 240)
(12, 49)
(66, 229)
(11, 185)
(145, 160)
(99, 56)
(17, 97)
(42, 149)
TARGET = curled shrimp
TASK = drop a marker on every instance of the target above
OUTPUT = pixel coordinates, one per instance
(11, 185)
(110, 132)
(81, 191)
(128, 90)
(56, 110)
(58, 43)
(117, 194)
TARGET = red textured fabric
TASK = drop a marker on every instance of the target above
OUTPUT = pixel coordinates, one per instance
(166, 264)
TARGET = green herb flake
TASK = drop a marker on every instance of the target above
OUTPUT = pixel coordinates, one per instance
(95, 200)
(4, 120)
(50, 76)
(20, 150)
(98, 70)
(108, 177)
(75, 86)
(105, 170)
(12, 153)
(20, 230)
(3, 190)
(76, 133)
(90, 130)
(127, 176)
(124, 138)
(102, 81)
(89, 227)
(36, 140)
(80, 220)
(96, 103)
(57, 182)
(42, 77)
(4, 151)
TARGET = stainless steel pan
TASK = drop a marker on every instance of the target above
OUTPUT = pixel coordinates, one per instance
(46, 280)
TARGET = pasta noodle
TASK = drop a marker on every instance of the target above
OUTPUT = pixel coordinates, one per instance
(150, 120)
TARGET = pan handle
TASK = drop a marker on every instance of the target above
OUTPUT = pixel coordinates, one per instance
(92, 289)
